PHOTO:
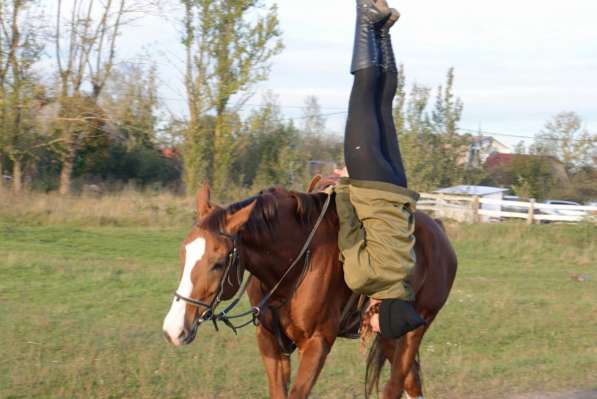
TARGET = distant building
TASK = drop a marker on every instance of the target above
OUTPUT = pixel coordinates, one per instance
(171, 153)
(480, 148)
(500, 165)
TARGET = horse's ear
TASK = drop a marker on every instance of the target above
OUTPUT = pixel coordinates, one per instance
(238, 219)
(314, 182)
(203, 203)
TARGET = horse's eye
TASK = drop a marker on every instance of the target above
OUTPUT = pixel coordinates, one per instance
(218, 266)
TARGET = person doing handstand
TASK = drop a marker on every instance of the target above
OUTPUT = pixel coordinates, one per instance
(375, 207)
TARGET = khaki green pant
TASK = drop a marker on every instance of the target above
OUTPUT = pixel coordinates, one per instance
(376, 237)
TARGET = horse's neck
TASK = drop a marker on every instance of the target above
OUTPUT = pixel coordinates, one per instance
(260, 264)
(269, 264)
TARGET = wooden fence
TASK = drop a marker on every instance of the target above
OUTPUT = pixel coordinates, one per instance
(470, 209)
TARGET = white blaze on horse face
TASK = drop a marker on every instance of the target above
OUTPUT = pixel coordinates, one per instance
(410, 397)
(174, 321)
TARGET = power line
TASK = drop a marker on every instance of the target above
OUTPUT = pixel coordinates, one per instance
(477, 131)
(332, 114)
(281, 121)
(180, 99)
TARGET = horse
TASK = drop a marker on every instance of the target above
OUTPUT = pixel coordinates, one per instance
(287, 240)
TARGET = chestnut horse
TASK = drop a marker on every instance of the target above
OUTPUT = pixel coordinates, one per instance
(299, 296)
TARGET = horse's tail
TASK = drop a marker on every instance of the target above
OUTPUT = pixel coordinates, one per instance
(375, 362)
(420, 370)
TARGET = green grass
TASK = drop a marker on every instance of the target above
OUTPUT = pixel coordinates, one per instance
(81, 311)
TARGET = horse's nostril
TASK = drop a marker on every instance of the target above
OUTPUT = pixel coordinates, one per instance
(183, 335)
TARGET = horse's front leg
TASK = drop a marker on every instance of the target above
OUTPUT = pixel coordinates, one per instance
(313, 353)
(277, 365)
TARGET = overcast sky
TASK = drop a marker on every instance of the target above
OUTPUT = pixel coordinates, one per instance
(517, 62)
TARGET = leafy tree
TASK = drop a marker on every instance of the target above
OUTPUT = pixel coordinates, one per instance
(430, 141)
(564, 137)
(117, 164)
(583, 185)
(520, 148)
(315, 143)
(400, 102)
(445, 116)
(313, 122)
(229, 45)
(532, 177)
(131, 101)
(268, 152)
(131, 153)
(417, 142)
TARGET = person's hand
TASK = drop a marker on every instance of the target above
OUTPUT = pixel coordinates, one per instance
(374, 322)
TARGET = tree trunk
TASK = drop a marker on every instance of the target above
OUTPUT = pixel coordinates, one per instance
(68, 164)
(222, 155)
(1, 171)
(17, 177)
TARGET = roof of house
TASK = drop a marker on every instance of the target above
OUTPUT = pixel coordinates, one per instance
(471, 190)
(500, 159)
(170, 153)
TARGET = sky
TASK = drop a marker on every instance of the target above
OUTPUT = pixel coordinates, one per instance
(517, 62)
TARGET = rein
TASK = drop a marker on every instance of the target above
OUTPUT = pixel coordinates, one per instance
(234, 259)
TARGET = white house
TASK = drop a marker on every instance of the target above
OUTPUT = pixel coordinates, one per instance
(480, 148)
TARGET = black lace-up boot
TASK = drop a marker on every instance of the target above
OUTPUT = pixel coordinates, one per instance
(388, 60)
(371, 16)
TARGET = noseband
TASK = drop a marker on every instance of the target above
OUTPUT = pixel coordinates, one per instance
(234, 259)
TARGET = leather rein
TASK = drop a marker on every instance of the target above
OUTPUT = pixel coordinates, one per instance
(209, 314)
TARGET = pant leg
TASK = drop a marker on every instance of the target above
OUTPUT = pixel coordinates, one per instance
(376, 237)
(363, 141)
(390, 146)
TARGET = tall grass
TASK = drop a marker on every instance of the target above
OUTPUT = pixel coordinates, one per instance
(127, 207)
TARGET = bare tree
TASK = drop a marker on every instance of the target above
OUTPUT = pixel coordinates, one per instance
(565, 138)
(85, 48)
(19, 50)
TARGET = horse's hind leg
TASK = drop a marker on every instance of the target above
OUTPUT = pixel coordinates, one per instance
(277, 365)
(413, 386)
(402, 363)
(313, 353)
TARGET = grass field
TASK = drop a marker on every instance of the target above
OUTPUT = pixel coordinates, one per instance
(81, 307)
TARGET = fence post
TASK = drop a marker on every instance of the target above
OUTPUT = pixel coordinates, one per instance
(531, 217)
(441, 209)
(476, 206)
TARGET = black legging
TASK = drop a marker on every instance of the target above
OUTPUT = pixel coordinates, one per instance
(371, 149)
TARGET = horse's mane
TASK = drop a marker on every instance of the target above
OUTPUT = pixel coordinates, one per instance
(264, 219)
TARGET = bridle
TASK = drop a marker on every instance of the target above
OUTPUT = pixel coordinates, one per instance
(234, 259)
(209, 314)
